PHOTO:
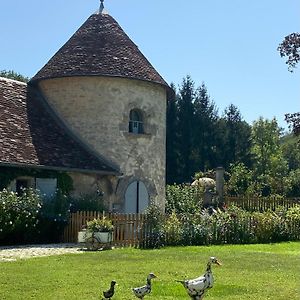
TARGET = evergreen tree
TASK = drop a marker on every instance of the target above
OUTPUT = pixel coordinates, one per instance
(204, 131)
(172, 140)
(236, 138)
(185, 129)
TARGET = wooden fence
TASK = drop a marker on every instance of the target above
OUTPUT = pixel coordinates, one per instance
(132, 230)
(261, 204)
(127, 227)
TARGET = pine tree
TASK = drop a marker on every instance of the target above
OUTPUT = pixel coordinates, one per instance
(172, 139)
(236, 135)
(185, 129)
(204, 131)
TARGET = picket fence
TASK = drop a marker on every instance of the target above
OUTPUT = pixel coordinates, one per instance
(128, 228)
(261, 204)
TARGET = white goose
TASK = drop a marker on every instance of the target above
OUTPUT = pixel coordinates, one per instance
(197, 287)
(140, 292)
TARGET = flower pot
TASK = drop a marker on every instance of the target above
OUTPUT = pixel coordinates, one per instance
(100, 237)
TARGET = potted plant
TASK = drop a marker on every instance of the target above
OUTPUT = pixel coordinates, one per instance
(97, 232)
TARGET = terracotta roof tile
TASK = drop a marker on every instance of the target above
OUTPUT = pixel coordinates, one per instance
(100, 47)
(30, 135)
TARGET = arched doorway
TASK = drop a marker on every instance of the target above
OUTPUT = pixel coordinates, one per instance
(136, 198)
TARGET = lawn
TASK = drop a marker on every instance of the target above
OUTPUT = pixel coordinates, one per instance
(257, 272)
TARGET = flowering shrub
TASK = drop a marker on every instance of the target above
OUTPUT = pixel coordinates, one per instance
(100, 225)
(183, 199)
(27, 218)
(18, 215)
(230, 226)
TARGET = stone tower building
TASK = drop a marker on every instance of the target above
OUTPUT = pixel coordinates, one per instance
(110, 98)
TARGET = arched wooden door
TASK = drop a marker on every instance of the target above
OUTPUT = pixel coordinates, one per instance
(136, 198)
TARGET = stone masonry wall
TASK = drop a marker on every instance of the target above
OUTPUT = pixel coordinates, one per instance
(97, 110)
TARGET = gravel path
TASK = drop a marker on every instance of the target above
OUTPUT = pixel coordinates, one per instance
(12, 253)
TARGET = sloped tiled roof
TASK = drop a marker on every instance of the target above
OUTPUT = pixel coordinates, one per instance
(100, 47)
(31, 136)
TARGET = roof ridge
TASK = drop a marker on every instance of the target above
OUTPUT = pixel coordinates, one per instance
(13, 80)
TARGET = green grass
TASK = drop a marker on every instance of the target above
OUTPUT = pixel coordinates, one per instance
(257, 272)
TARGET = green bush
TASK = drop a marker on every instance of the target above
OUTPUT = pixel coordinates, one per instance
(183, 199)
(152, 228)
(18, 216)
(27, 218)
(88, 202)
(53, 217)
(232, 226)
(173, 229)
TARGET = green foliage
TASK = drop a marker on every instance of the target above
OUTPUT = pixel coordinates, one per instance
(173, 229)
(204, 131)
(183, 199)
(18, 216)
(13, 75)
(172, 138)
(266, 149)
(269, 174)
(152, 227)
(198, 139)
(290, 49)
(27, 218)
(229, 226)
(235, 138)
(240, 180)
(100, 225)
(7, 174)
(294, 213)
(184, 129)
(57, 207)
(291, 151)
(89, 202)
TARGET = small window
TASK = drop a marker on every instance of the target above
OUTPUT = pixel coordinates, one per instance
(136, 121)
(46, 186)
(21, 185)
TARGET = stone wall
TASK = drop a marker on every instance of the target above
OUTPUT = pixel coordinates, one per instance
(97, 110)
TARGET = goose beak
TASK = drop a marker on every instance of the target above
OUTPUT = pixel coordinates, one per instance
(218, 263)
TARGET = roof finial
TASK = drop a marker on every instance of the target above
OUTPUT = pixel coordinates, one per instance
(101, 6)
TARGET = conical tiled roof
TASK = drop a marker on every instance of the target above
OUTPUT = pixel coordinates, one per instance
(100, 47)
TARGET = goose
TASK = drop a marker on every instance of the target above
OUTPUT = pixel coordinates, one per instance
(197, 287)
(140, 292)
(109, 293)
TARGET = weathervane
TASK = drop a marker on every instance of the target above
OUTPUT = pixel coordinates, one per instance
(101, 6)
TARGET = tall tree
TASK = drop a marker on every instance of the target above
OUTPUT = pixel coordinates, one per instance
(236, 146)
(290, 48)
(270, 167)
(185, 128)
(294, 122)
(172, 140)
(204, 131)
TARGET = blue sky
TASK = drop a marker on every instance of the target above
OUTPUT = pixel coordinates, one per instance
(228, 44)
